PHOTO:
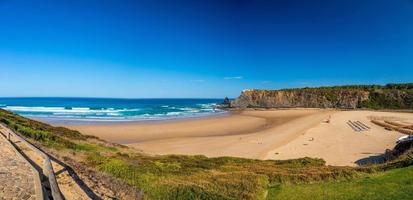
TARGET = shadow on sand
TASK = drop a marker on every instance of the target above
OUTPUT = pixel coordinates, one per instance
(375, 159)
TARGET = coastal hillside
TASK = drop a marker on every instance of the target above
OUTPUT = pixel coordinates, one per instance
(390, 96)
(118, 172)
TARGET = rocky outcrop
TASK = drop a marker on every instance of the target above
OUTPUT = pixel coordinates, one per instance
(306, 98)
(390, 96)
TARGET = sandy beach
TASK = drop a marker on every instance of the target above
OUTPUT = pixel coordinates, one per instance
(268, 134)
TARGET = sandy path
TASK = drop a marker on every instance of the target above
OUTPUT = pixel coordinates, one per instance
(67, 185)
(17, 177)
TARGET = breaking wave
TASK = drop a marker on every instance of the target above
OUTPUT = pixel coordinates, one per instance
(147, 111)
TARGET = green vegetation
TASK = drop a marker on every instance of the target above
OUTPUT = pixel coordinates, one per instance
(389, 99)
(56, 137)
(394, 86)
(390, 96)
(393, 184)
(199, 177)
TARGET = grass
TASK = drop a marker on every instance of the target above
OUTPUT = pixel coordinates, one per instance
(389, 185)
(199, 177)
(92, 147)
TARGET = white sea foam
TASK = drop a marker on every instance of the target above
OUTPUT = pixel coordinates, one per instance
(81, 109)
(173, 113)
(34, 109)
(63, 110)
(208, 109)
(112, 114)
(190, 109)
(206, 105)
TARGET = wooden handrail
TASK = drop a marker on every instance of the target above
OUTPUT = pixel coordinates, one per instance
(47, 165)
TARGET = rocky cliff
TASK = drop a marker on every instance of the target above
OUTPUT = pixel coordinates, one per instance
(345, 97)
(307, 98)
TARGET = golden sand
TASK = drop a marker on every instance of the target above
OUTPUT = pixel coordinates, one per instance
(269, 134)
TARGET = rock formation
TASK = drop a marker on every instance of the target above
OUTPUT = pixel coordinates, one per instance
(307, 98)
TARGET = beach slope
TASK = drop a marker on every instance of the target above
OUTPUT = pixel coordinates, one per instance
(260, 134)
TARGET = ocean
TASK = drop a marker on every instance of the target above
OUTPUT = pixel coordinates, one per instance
(89, 110)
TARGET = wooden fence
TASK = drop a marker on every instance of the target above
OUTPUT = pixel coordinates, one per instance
(47, 167)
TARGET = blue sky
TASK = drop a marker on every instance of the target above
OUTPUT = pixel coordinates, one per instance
(185, 48)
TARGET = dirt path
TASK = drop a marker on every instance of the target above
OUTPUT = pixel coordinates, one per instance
(18, 178)
(67, 185)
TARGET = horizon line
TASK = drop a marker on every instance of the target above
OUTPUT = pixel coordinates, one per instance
(77, 97)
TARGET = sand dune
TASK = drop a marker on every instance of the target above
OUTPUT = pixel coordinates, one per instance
(270, 134)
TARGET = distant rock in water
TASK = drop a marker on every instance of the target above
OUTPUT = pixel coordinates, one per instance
(391, 96)
(225, 104)
(227, 101)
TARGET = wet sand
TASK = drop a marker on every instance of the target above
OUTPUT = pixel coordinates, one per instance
(268, 134)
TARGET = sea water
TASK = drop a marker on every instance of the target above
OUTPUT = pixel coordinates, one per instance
(77, 110)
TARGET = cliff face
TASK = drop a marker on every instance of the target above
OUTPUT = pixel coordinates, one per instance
(307, 98)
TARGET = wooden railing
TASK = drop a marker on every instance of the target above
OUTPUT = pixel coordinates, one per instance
(47, 165)
(37, 180)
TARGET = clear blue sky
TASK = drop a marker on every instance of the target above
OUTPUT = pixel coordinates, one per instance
(198, 48)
